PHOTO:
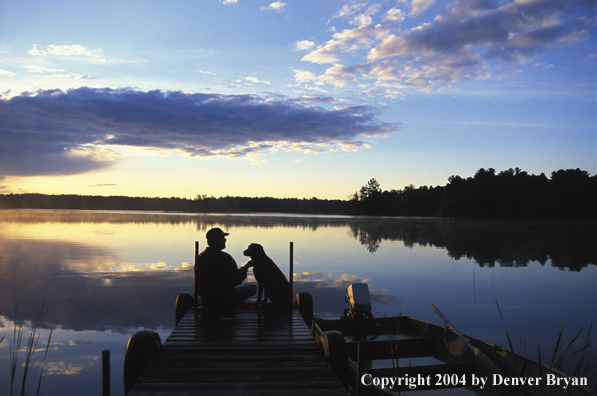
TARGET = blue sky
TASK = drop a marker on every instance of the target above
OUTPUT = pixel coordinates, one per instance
(290, 99)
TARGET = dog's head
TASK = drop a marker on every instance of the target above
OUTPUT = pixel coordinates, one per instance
(254, 250)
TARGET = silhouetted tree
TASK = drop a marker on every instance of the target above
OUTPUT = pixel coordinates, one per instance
(512, 193)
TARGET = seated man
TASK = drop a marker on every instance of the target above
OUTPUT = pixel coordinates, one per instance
(219, 275)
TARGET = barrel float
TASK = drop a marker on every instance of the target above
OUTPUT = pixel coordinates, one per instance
(304, 303)
(184, 301)
(141, 348)
(334, 348)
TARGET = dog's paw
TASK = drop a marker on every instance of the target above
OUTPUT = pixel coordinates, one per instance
(250, 263)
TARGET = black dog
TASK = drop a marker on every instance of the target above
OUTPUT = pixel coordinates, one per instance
(269, 277)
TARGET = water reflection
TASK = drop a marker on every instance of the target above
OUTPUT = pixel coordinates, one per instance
(104, 275)
(84, 288)
(505, 243)
(120, 265)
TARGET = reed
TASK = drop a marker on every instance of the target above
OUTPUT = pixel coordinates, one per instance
(558, 362)
(29, 349)
(507, 334)
(561, 354)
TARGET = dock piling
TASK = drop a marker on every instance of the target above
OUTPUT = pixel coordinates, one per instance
(196, 282)
(106, 373)
(291, 271)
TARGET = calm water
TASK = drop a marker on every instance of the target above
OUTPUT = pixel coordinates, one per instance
(104, 275)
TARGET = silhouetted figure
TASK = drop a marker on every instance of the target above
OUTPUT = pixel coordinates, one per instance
(272, 283)
(219, 275)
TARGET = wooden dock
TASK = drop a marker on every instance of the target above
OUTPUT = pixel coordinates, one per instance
(254, 352)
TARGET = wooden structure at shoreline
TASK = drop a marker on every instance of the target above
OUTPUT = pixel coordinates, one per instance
(254, 351)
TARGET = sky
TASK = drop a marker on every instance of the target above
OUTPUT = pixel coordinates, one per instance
(290, 99)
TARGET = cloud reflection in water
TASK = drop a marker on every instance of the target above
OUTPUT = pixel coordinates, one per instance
(105, 275)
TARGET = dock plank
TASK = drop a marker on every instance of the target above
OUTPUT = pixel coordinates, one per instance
(255, 352)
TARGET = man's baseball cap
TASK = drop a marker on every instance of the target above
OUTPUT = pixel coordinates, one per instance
(216, 233)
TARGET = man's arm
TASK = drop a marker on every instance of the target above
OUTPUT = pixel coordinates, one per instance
(237, 275)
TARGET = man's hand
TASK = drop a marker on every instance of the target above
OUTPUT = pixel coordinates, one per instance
(250, 264)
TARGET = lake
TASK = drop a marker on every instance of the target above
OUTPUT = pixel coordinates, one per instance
(103, 275)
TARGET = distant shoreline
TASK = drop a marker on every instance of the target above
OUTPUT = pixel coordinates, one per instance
(176, 205)
(513, 194)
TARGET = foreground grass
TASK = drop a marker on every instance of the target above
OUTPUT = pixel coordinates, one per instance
(25, 348)
(562, 354)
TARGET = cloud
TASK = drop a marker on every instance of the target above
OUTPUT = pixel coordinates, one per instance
(419, 6)
(303, 45)
(304, 76)
(74, 76)
(207, 72)
(58, 132)
(338, 75)
(305, 100)
(394, 15)
(353, 13)
(277, 6)
(256, 80)
(7, 73)
(246, 82)
(68, 51)
(349, 40)
(469, 39)
(41, 69)
(543, 64)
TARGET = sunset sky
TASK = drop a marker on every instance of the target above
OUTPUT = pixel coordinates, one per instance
(290, 98)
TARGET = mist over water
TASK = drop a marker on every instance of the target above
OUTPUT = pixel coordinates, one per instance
(104, 275)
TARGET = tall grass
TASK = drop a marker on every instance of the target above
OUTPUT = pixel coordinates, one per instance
(561, 353)
(17, 348)
(558, 362)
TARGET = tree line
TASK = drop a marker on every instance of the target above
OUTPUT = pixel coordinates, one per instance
(513, 193)
(510, 194)
(201, 204)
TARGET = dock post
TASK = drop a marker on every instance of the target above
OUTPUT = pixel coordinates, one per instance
(106, 373)
(195, 283)
(291, 271)
(360, 366)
